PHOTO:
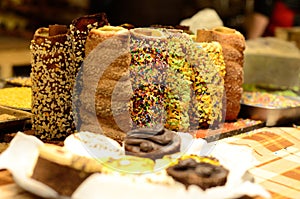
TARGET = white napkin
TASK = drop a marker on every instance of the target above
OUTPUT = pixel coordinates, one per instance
(204, 19)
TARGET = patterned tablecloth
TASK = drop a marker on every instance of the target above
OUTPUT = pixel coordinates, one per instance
(276, 149)
(278, 153)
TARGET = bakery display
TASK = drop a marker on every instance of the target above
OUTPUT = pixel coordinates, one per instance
(133, 109)
(153, 143)
(128, 78)
(137, 87)
(159, 76)
(205, 172)
(62, 170)
(233, 45)
(57, 54)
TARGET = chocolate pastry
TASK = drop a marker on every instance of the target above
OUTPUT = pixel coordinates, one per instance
(62, 170)
(52, 82)
(206, 174)
(79, 30)
(152, 143)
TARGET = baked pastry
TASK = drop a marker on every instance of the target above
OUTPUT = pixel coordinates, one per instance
(106, 85)
(148, 73)
(172, 73)
(153, 143)
(52, 82)
(154, 76)
(207, 62)
(57, 55)
(178, 81)
(205, 172)
(79, 30)
(233, 45)
(62, 170)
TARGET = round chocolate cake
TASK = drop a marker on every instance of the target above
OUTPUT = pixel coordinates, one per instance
(204, 172)
(153, 143)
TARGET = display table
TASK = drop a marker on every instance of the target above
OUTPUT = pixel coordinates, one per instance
(276, 149)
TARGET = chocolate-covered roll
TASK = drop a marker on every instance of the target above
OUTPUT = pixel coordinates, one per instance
(153, 143)
(79, 30)
(204, 172)
(52, 78)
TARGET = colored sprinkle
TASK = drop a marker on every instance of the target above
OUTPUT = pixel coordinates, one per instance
(262, 99)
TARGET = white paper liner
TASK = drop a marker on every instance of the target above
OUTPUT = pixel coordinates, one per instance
(20, 157)
(93, 145)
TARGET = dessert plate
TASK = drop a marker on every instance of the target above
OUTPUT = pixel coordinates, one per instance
(22, 153)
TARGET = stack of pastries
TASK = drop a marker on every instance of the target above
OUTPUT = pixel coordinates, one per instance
(112, 79)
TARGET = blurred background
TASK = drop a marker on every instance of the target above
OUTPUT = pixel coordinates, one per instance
(20, 18)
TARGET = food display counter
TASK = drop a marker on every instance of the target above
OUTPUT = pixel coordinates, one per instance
(169, 106)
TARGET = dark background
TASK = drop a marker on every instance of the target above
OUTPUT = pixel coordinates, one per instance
(22, 17)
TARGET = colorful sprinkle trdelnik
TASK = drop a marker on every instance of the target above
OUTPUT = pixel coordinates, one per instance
(148, 75)
(175, 81)
(178, 82)
(263, 99)
(208, 85)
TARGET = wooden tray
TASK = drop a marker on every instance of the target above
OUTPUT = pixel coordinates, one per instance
(13, 119)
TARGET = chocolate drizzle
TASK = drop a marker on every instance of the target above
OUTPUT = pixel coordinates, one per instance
(202, 174)
(152, 143)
